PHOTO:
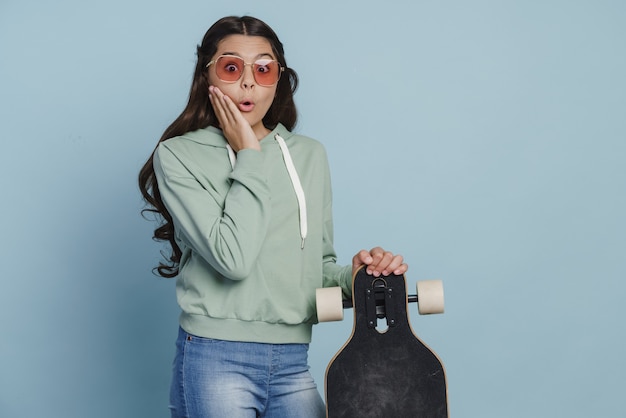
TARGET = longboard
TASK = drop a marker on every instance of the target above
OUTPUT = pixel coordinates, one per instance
(385, 370)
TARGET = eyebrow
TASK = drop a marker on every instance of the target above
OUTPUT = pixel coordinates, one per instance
(263, 54)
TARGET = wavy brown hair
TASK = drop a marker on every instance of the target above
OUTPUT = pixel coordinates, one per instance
(199, 114)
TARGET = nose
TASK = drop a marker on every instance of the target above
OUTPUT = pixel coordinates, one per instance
(247, 78)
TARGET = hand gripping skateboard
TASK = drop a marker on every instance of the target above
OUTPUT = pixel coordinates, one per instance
(383, 373)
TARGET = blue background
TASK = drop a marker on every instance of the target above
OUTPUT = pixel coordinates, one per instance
(483, 140)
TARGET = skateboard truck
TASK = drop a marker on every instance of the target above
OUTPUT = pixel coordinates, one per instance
(379, 304)
(429, 298)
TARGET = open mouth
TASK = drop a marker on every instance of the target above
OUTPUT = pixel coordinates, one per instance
(246, 106)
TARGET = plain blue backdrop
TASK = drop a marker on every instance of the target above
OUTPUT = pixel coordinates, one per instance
(483, 140)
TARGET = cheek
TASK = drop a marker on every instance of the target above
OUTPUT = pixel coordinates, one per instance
(212, 80)
(264, 106)
(269, 96)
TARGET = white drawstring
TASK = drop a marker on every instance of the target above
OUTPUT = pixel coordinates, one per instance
(231, 156)
(297, 187)
(295, 181)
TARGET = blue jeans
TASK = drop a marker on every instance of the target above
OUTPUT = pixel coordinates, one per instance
(215, 378)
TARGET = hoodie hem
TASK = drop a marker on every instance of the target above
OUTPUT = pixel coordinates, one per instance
(245, 331)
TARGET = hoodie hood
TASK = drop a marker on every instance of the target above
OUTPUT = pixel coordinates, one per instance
(214, 137)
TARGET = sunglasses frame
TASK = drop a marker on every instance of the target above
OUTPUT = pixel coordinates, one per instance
(251, 64)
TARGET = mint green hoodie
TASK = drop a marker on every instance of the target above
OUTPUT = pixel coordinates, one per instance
(246, 273)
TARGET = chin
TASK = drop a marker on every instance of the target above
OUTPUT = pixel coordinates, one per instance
(254, 121)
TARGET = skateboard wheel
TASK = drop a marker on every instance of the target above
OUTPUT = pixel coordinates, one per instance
(329, 304)
(430, 297)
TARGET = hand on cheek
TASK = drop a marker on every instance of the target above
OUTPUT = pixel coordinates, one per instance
(236, 128)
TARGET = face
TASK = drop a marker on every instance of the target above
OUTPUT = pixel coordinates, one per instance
(252, 98)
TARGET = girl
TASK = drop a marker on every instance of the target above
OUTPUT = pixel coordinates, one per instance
(246, 208)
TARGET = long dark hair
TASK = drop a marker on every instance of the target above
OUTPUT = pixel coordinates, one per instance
(199, 114)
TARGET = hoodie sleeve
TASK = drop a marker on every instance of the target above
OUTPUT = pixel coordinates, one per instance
(334, 274)
(228, 234)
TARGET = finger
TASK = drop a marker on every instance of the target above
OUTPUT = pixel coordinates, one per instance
(375, 254)
(396, 266)
(225, 109)
(229, 111)
(382, 259)
(366, 257)
(218, 107)
(360, 259)
(403, 268)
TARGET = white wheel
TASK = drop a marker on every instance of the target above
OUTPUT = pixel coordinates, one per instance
(329, 304)
(430, 297)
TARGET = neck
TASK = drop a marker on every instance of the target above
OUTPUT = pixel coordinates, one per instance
(261, 132)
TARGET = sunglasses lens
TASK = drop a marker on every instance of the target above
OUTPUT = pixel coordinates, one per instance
(266, 72)
(229, 68)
